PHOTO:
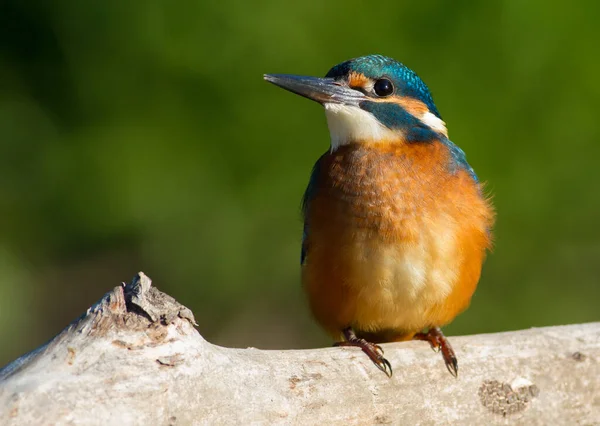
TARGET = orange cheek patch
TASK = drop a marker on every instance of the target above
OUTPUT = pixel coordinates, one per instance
(418, 109)
(412, 106)
(356, 79)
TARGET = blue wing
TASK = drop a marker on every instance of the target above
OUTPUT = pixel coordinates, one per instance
(310, 192)
(459, 157)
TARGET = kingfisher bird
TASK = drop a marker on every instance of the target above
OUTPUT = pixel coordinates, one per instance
(396, 222)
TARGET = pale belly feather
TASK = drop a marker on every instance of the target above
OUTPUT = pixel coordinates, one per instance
(395, 283)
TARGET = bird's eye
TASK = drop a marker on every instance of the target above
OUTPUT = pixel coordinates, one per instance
(383, 87)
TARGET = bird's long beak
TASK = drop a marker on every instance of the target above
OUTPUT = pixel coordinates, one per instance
(322, 90)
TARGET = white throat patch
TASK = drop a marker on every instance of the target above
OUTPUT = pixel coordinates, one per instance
(348, 123)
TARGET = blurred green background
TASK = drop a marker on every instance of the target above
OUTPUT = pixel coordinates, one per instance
(141, 136)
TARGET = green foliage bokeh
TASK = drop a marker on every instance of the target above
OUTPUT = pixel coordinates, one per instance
(141, 136)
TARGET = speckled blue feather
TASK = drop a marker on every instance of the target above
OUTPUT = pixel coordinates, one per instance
(459, 158)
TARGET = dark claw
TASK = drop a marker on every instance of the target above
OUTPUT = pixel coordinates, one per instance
(449, 358)
(378, 359)
(386, 367)
(452, 366)
(373, 351)
(438, 343)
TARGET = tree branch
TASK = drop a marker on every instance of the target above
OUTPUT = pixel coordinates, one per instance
(136, 358)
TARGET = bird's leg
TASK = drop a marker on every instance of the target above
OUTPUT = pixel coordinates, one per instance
(373, 351)
(438, 342)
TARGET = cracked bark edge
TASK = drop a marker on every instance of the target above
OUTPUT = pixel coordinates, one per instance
(131, 306)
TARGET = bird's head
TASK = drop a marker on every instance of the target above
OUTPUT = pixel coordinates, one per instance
(370, 99)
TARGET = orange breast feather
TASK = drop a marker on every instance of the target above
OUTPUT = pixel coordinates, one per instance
(396, 239)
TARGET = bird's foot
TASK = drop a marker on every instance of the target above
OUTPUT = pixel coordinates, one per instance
(373, 351)
(438, 342)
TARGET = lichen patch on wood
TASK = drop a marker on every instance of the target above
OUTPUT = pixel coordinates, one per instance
(502, 398)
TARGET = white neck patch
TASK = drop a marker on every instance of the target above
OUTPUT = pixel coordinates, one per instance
(434, 123)
(348, 123)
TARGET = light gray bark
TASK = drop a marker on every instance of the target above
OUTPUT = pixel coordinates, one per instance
(136, 358)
